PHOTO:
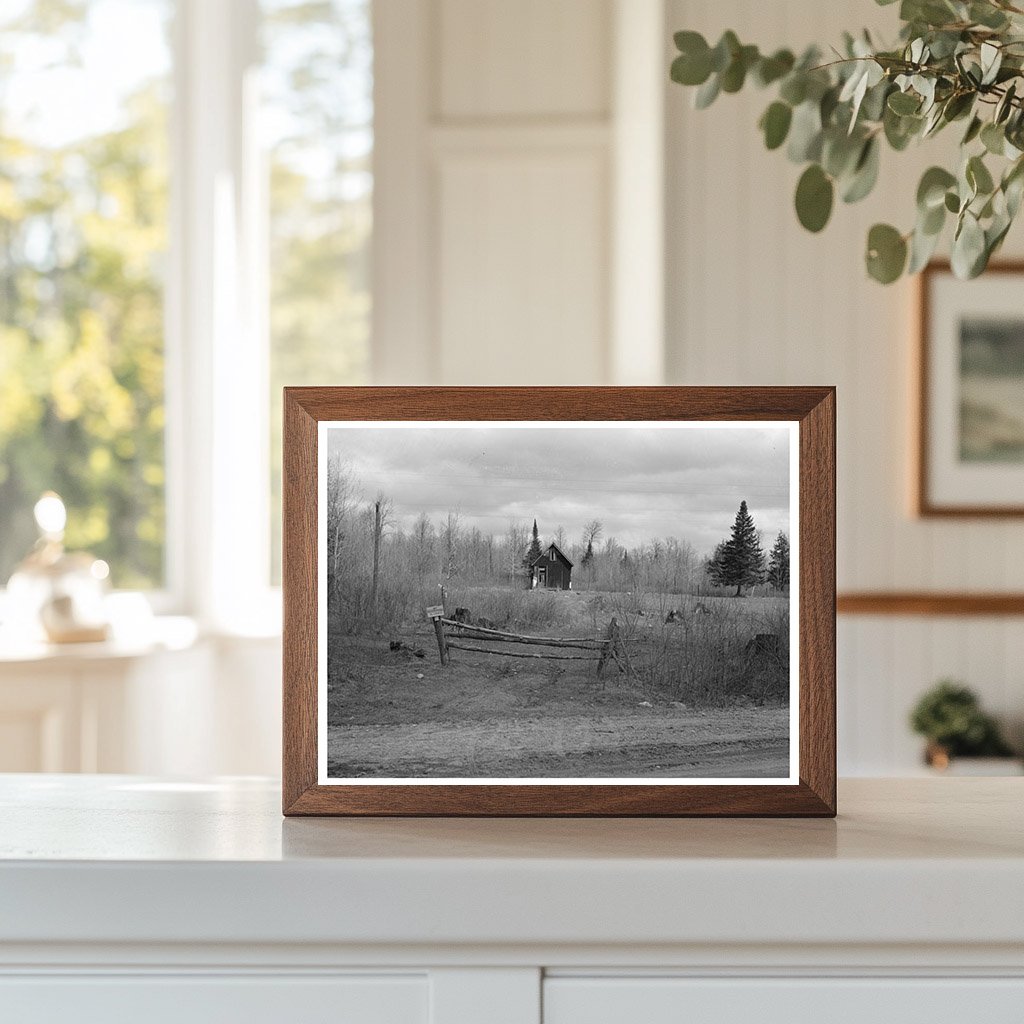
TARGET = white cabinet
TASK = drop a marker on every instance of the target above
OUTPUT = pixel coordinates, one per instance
(202, 999)
(829, 1000)
(126, 899)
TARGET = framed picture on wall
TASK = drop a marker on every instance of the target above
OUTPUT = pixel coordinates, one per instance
(559, 601)
(970, 451)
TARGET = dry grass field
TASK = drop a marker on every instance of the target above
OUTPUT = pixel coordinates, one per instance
(696, 697)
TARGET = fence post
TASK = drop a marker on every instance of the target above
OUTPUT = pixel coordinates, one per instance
(610, 648)
(435, 613)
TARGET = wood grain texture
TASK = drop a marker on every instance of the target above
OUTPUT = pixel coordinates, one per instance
(299, 596)
(924, 505)
(817, 605)
(813, 407)
(924, 603)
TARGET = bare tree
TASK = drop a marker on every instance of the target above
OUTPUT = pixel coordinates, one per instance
(381, 520)
(560, 538)
(516, 543)
(423, 537)
(340, 505)
(450, 539)
(591, 534)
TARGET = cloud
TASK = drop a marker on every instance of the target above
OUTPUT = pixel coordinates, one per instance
(642, 482)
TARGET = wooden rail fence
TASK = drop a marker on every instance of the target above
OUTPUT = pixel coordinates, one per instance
(610, 647)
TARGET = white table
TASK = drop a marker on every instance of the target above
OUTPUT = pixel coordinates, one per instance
(197, 902)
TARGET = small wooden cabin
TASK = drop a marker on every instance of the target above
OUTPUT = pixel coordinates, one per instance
(551, 569)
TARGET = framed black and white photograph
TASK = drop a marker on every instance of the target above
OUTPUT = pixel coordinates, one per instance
(971, 393)
(599, 613)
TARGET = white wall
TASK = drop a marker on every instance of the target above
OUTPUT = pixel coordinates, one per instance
(754, 299)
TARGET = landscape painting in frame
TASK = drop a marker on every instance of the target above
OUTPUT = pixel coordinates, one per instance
(972, 393)
(540, 603)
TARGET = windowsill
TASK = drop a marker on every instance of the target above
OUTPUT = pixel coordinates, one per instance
(160, 633)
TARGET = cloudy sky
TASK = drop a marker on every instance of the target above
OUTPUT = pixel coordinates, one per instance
(642, 482)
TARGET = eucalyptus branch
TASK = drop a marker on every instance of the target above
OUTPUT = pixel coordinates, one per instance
(955, 59)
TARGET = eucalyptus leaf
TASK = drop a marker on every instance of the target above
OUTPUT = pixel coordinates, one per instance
(814, 196)
(1013, 187)
(886, 253)
(707, 93)
(735, 74)
(991, 60)
(993, 138)
(805, 133)
(690, 70)
(840, 152)
(900, 130)
(1005, 105)
(933, 122)
(973, 130)
(968, 248)
(978, 176)
(932, 221)
(873, 106)
(904, 103)
(987, 15)
(922, 248)
(724, 51)
(865, 173)
(771, 69)
(775, 124)
(827, 106)
(957, 106)
(931, 190)
(794, 88)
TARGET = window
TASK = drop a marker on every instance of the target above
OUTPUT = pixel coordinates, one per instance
(185, 222)
(83, 235)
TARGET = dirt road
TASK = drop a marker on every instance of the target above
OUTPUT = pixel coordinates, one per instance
(395, 715)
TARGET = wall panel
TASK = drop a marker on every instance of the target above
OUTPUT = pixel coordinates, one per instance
(521, 292)
(530, 58)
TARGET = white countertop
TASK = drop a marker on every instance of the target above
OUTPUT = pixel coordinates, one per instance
(121, 859)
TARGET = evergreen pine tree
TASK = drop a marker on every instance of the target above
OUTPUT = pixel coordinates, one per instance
(739, 561)
(778, 563)
(534, 551)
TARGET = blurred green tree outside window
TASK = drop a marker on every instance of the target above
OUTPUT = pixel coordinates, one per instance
(84, 211)
(317, 118)
(83, 237)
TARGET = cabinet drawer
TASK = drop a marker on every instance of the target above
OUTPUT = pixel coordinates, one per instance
(782, 1001)
(202, 999)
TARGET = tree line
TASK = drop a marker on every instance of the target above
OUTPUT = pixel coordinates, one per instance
(370, 556)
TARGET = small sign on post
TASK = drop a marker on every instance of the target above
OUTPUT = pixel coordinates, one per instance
(436, 613)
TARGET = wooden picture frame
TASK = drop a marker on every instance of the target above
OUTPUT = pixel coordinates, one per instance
(808, 413)
(942, 488)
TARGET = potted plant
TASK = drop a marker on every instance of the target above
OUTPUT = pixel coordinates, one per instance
(950, 718)
(956, 62)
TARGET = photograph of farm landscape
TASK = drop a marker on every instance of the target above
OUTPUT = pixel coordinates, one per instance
(561, 601)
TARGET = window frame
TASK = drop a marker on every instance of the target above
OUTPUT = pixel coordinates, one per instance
(217, 351)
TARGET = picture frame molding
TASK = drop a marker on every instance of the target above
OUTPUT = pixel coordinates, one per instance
(815, 411)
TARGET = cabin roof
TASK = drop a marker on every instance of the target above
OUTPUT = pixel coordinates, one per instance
(544, 554)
